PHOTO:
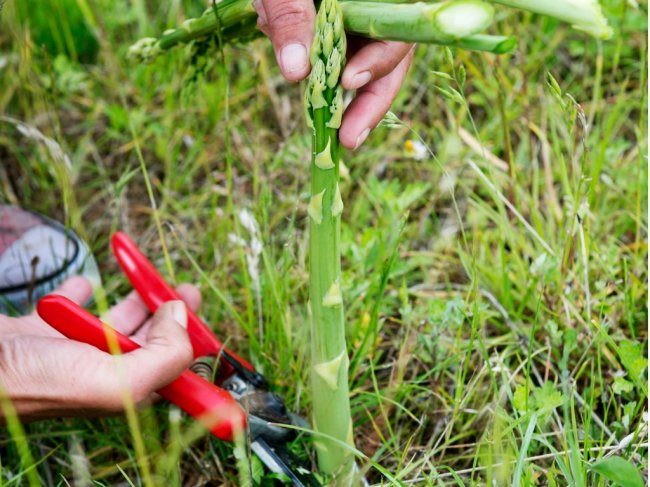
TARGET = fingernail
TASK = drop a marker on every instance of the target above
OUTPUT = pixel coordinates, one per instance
(362, 136)
(293, 58)
(360, 79)
(179, 312)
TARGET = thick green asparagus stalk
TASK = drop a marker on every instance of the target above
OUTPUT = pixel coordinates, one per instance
(584, 15)
(237, 19)
(329, 372)
(439, 23)
(449, 23)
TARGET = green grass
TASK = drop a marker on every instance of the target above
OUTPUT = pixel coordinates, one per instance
(499, 338)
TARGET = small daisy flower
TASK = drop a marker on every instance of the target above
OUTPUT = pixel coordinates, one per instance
(414, 149)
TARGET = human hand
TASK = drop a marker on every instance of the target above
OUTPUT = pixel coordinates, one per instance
(46, 375)
(376, 69)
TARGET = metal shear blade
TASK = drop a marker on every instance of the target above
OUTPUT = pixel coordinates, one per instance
(280, 460)
(266, 413)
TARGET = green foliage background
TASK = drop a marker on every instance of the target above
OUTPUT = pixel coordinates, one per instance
(500, 338)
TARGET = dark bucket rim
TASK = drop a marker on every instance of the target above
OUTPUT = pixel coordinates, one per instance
(70, 235)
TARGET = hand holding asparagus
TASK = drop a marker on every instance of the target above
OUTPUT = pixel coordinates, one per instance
(375, 69)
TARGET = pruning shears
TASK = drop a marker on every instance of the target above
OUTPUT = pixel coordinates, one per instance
(229, 398)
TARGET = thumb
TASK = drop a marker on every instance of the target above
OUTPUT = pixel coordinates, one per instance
(165, 354)
(290, 25)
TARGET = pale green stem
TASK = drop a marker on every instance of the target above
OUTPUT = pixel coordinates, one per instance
(584, 15)
(329, 373)
(439, 23)
(456, 24)
(375, 19)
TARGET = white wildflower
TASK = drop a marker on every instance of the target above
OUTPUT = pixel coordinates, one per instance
(415, 149)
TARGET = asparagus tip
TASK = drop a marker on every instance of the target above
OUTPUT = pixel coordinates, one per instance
(144, 50)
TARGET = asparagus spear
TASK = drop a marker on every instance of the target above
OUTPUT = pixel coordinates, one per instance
(449, 23)
(329, 373)
(439, 23)
(584, 15)
(237, 19)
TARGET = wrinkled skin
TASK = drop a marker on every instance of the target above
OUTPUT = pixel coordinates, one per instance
(46, 375)
(375, 69)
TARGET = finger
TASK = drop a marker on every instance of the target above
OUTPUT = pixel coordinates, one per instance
(290, 25)
(77, 289)
(130, 315)
(167, 348)
(370, 105)
(163, 356)
(189, 294)
(262, 19)
(372, 62)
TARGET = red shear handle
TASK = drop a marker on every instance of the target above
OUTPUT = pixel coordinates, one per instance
(209, 404)
(154, 291)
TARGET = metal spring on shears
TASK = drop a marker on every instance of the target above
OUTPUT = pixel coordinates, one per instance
(204, 367)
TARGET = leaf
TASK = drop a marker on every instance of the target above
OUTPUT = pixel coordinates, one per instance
(628, 409)
(621, 385)
(570, 344)
(552, 82)
(628, 414)
(547, 398)
(554, 332)
(257, 469)
(632, 359)
(555, 87)
(618, 470)
(523, 451)
(451, 94)
(443, 75)
(543, 265)
(570, 340)
(391, 120)
(543, 400)
(449, 56)
(519, 398)
(462, 75)
(454, 313)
